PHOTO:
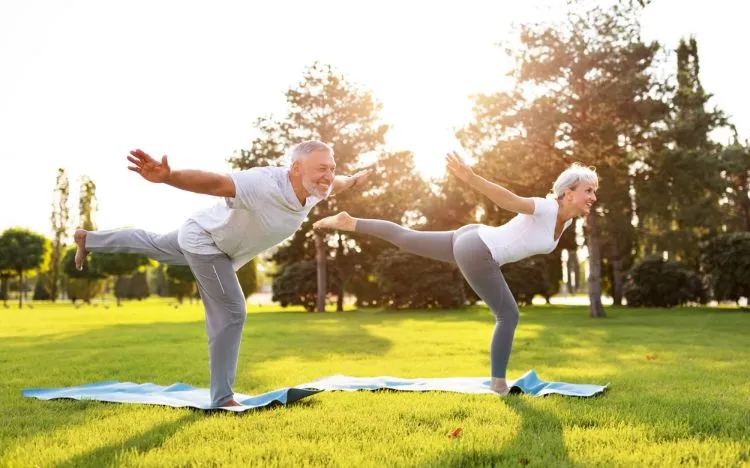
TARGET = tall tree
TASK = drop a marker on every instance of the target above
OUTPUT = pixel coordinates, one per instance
(327, 107)
(584, 93)
(86, 284)
(679, 184)
(736, 163)
(22, 250)
(87, 204)
(60, 223)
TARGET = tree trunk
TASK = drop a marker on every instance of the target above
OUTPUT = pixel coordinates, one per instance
(320, 257)
(595, 268)
(20, 286)
(4, 281)
(617, 279)
(573, 270)
(342, 280)
(54, 272)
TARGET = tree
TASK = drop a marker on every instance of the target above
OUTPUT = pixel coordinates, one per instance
(736, 164)
(726, 261)
(60, 220)
(679, 184)
(327, 107)
(86, 284)
(584, 93)
(87, 204)
(22, 250)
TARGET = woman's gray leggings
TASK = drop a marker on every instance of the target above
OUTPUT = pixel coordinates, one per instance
(466, 249)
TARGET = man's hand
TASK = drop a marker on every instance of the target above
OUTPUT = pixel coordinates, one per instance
(458, 167)
(148, 167)
(342, 183)
(360, 178)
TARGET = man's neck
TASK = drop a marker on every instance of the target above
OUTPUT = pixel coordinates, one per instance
(299, 189)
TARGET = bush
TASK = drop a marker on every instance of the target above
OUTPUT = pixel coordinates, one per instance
(248, 278)
(42, 290)
(180, 281)
(83, 289)
(658, 283)
(365, 288)
(726, 261)
(297, 284)
(410, 281)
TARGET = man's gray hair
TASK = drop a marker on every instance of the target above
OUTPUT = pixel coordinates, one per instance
(307, 147)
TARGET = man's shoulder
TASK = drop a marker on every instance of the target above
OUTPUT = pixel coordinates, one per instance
(263, 174)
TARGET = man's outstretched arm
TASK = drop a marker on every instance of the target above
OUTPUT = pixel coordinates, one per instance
(191, 180)
(342, 183)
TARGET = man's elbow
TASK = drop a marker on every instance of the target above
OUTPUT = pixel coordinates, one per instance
(225, 187)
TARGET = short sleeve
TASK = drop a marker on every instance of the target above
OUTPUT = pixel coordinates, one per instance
(543, 207)
(248, 185)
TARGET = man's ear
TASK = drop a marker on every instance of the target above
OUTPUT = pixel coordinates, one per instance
(295, 169)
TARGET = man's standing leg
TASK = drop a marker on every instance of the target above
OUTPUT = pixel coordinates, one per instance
(225, 308)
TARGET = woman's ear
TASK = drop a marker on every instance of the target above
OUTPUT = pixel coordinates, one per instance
(569, 193)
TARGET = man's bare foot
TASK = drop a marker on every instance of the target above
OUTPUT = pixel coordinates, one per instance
(231, 402)
(499, 386)
(80, 239)
(341, 221)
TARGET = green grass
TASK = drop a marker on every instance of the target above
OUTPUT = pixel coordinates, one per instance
(679, 389)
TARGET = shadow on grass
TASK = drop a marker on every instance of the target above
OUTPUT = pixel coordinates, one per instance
(539, 441)
(140, 443)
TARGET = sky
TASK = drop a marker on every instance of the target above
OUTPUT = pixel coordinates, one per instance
(84, 82)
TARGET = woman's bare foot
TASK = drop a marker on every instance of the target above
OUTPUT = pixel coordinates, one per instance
(341, 221)
(80, 239)
(499, 386)
(231, 402)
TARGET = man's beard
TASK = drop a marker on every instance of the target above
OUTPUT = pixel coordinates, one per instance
(314, 190)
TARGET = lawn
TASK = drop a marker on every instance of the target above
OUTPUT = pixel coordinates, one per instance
(679, 388)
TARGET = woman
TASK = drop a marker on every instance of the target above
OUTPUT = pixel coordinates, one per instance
(479, 250)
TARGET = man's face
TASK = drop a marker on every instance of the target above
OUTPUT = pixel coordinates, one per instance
(317, 170)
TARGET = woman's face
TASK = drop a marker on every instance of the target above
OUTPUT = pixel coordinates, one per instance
(582, 197)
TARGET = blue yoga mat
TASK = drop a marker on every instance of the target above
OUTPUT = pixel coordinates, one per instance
(529, 383)
(177, 395)
(182, 395)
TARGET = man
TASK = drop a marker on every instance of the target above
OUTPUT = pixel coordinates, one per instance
(260, 207)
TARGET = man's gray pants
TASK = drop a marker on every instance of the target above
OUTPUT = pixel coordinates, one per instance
(219, 288)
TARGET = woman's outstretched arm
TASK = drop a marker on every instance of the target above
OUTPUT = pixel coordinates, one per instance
(500, 196)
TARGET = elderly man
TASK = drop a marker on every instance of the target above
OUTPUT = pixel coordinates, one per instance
(259, 208)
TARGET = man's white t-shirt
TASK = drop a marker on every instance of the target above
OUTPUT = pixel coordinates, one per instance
(524, 235)
(264, 212)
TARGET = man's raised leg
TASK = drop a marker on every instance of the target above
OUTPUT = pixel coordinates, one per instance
(161, 247)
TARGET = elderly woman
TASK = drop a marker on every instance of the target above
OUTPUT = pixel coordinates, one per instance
(479, 250)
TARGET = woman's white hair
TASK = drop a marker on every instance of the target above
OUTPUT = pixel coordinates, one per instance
(572, 176)
(306, 147)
